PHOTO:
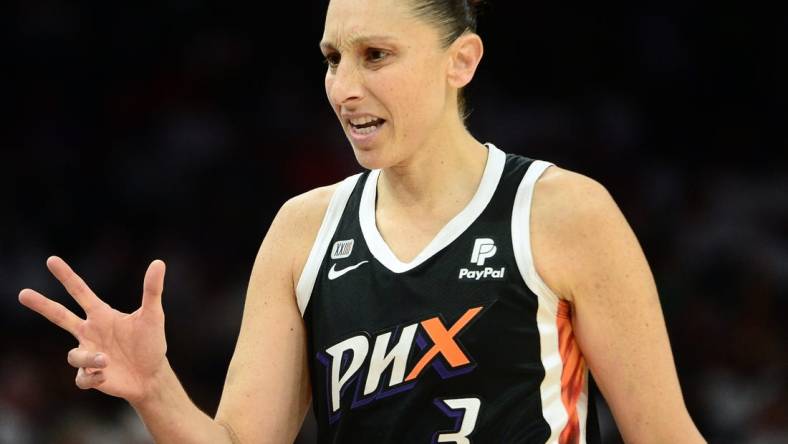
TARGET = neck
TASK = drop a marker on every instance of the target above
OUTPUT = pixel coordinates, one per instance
(443, 174)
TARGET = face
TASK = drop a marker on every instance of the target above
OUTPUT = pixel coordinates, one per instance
(386, 78)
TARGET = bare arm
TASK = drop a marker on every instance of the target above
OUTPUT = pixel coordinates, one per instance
(267, 389)
(171, 417)
(588, 254)
(123, 355)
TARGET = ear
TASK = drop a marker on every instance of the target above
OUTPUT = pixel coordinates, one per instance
(465, 54)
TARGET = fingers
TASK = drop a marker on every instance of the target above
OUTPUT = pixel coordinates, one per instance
(153, 286)
(90, 365)
(56, 313)
(88, 380)
(74, 284)
(81, 358)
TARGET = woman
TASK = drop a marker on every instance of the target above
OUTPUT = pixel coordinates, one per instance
(452, 294)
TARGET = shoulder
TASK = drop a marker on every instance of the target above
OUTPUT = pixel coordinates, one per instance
(296, 226)
(299, 219)
(307, 209)
(574, 221)
(560, 192)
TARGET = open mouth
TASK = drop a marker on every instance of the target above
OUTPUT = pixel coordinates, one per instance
(366, 125)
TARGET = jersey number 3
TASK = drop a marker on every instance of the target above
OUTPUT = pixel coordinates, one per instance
(465, 411)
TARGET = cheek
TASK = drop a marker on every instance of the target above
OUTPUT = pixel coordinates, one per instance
(329, 82)
(433, 79)
(425, 92)
(399, 92)
(412, 93)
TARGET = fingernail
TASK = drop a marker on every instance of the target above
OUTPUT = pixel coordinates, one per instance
(100, 360)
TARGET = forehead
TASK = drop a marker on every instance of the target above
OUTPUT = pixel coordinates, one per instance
(349, 22)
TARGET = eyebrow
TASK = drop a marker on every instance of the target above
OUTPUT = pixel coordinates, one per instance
(326, 45)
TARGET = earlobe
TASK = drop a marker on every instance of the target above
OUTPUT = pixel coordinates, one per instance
(466, 53)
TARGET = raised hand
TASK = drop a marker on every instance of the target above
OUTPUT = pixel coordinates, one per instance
(119, 354)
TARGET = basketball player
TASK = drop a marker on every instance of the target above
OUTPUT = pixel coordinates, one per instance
(453, 293)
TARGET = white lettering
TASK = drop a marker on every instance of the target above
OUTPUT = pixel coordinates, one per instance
(359, 346)
(380, 361)
(483, 248)
(487, 272)
(468, 424)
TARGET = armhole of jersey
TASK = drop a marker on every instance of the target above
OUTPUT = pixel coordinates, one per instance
(521, 235)
(306, 283)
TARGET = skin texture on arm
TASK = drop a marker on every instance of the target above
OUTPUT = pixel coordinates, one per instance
(586, 252)
(171, 417)
(124, 355)
(267, 390)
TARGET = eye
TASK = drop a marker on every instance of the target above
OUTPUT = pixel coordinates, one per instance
(332, 60)
(376, 55)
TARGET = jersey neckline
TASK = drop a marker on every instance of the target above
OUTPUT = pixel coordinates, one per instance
(493, 170)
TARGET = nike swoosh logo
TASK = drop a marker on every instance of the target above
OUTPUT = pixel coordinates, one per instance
(333, 273)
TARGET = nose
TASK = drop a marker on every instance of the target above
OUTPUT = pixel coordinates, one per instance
(346, 84)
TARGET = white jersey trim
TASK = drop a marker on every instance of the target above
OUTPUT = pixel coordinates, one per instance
(582, 408)
(521, 233)
(553, 408)
(306, 282)
(451, 231)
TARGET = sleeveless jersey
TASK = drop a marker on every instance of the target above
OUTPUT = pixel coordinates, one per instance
(463, 344)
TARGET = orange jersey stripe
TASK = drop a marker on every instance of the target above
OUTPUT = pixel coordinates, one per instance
(572, 374)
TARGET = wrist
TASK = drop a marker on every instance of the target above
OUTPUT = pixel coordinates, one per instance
(156, 388)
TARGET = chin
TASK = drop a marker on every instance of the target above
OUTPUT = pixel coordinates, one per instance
(368, 159)
(371, 159)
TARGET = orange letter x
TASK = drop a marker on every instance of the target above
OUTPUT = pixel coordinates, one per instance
(444, 342)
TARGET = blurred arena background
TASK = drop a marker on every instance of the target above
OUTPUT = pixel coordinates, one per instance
(176, 129)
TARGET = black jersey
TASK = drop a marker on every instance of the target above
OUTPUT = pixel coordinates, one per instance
(465, 343)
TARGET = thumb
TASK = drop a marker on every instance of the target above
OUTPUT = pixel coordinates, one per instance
(153, 285)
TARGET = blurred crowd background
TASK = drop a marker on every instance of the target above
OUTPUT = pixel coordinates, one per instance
(175, 130)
